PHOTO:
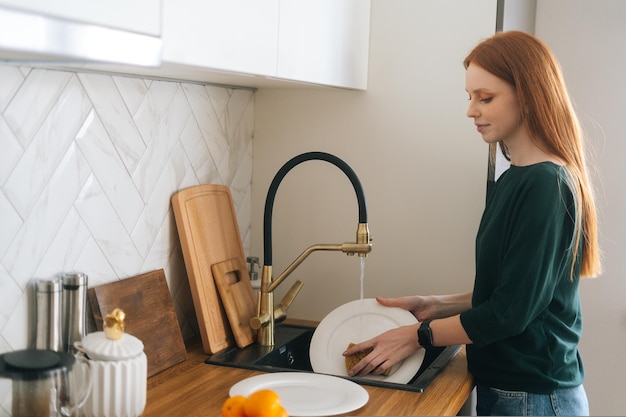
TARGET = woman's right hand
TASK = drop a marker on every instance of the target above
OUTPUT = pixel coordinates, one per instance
(430, 307)
(422, 307)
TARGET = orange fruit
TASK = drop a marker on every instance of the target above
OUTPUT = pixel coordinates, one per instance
(262, 403)
(282, 413)
(233, 406)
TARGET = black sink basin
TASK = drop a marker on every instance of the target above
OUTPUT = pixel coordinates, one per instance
(291, 353)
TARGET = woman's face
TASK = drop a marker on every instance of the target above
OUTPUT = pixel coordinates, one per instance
(493, 106)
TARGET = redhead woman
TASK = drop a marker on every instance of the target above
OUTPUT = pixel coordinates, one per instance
(537, 237)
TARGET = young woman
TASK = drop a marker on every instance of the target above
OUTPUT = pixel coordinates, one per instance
(537, 237)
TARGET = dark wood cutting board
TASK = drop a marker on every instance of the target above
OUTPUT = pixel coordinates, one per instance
(150, 316)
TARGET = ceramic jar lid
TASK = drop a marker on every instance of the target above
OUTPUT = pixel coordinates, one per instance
(98, 347)
(112, 344)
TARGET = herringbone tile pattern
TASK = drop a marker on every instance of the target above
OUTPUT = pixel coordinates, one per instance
(88, 164)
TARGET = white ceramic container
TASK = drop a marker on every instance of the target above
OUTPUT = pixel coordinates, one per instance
(119, 370)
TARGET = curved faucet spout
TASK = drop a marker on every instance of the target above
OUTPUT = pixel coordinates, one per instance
(264, 321)
(271, 194)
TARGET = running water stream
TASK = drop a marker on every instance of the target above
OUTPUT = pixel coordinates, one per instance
(362, 280)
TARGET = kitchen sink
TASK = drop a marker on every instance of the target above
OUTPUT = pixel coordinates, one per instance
(291, 353)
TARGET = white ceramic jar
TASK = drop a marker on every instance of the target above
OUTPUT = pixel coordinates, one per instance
(119, 370)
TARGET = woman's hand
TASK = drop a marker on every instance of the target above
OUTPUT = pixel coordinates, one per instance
(397, 344)
(390, 348)
(423, 308)
(431, 307)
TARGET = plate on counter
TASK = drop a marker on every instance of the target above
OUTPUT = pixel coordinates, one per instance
(305, 394)
(356, 322)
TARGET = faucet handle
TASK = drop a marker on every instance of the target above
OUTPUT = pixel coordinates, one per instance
(257, 322)
(280, 311)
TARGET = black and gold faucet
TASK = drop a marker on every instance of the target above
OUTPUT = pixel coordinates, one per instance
(267, 314)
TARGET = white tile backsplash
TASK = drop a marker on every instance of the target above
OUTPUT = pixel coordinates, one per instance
(88, 165)
(33, 101)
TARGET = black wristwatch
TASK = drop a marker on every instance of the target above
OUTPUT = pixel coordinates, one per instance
(425, 334)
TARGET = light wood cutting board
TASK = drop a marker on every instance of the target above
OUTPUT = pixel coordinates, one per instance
(233, 283)
(216, 267)
(150, 316)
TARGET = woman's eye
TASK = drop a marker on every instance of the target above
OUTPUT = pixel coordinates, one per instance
(486, 99)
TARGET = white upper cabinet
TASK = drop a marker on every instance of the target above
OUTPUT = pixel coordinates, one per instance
(250, 43)
(140, 16)
(324, 41)
(81, 31)
(232, 35)
(268, 43)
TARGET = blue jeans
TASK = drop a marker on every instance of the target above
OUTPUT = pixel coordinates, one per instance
(562, 402)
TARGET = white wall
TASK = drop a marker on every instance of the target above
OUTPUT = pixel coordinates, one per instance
(422, 165)
(589, 39)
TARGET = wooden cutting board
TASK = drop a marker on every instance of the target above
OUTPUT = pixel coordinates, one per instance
(209, 235)
(150, 316)
(233, 283)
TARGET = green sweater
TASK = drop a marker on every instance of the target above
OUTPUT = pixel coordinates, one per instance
(525, 321)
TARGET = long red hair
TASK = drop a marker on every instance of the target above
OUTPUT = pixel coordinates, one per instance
(526, 63)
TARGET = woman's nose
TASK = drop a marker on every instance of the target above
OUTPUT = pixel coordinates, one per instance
(471, 110)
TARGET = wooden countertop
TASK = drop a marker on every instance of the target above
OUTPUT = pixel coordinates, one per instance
(193, 388)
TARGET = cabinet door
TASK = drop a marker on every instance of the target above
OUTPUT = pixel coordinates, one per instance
(324, 41)
(141, 16)
(232, 35)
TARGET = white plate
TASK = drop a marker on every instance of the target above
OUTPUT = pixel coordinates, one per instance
(306, 394)
(355, 322)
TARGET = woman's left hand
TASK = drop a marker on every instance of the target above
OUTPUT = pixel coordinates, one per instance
(390, 348)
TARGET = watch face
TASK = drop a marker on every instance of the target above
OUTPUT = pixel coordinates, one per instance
(424, 334)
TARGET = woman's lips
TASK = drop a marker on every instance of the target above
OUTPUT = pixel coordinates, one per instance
(481, 127)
